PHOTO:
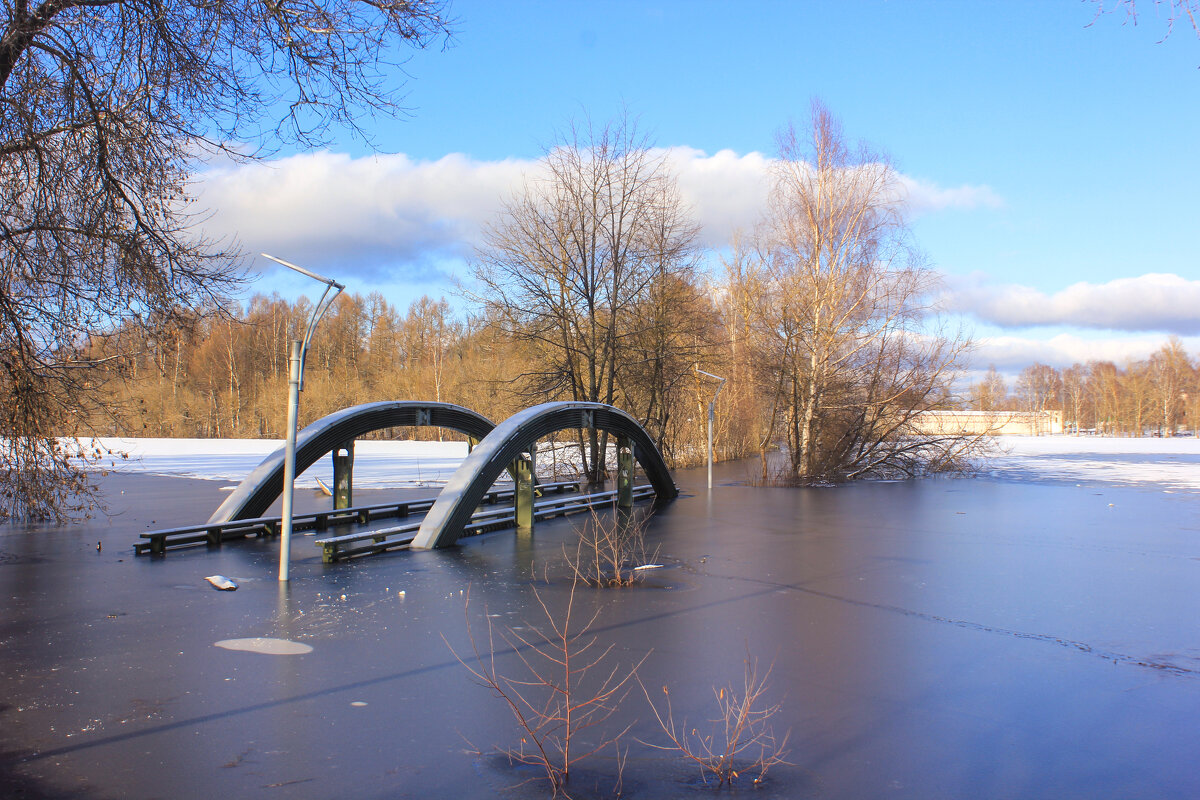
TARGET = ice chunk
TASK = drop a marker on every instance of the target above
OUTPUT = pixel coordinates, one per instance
(222, 583)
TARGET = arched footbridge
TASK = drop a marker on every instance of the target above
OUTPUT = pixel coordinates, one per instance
(513, 440)
(264, 485)
(509, 446)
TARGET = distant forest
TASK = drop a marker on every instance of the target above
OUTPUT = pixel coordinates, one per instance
(1158, 396)
(226, 376)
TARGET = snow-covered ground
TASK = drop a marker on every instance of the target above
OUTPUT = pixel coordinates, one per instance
(1169, 464)
(376, 463)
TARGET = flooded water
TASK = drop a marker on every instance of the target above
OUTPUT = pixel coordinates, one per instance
(927, 639)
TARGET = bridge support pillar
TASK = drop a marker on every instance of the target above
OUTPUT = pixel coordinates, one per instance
(343, 475)
(624, 472)
(523, 496)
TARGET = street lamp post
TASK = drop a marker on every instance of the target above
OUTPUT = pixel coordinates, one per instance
(295, 386)
(711, 415)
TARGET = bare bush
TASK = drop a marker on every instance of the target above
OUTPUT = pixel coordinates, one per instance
(611, 551)
(568, 686)
(741, 740)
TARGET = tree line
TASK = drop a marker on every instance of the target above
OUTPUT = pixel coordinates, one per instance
(1159, 395)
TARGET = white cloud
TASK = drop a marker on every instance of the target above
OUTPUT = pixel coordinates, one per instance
(392, 215)
(372, 213)
(1011, 354)
(924, 197)
(1152, 302)
(726, 191)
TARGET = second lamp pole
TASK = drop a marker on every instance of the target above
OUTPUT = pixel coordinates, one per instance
(712, 405)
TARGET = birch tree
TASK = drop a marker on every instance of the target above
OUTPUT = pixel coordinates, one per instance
(1170, 367)
(843, 315)
(991, 393)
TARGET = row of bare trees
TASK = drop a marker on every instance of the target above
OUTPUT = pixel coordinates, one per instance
(588, 286)
(1158, 395)
(224, 375)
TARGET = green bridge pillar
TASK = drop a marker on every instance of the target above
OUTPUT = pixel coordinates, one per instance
(624, 472)
(343, 475)
(523, 496)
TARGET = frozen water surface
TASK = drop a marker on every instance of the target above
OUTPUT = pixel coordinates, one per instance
(990, 637)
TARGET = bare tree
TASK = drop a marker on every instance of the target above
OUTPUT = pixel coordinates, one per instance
(107, 105)
(1074, 394)
(1170, 368)
(1039, 386)
(1136, 397)
(991, 393)
(1186, 12)
(676, 329)
(574, 262)
(611, 550)
(841, 303)
(1104, 389)
(742, 740)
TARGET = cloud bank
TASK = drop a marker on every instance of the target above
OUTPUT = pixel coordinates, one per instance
(1151, 302)
(389, 214)
(1011, 354)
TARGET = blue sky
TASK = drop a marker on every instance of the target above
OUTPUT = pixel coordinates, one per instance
(1052, 164)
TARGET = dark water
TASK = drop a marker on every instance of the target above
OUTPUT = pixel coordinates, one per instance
(932, 639)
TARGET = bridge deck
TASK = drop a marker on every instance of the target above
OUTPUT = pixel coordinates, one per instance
(335, 548)
(214, 534)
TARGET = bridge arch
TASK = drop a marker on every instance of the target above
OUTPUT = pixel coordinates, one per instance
(461, 496)
(254, 495)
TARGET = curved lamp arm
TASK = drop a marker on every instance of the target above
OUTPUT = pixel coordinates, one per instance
(318, 310)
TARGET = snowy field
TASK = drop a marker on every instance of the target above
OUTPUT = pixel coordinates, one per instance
(377, 464)
(1167, 464)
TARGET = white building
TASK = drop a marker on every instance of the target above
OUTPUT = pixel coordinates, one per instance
(996, 423)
